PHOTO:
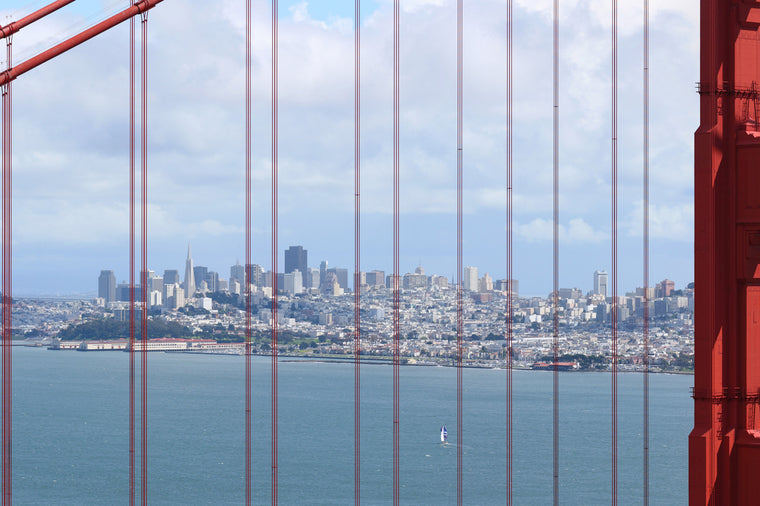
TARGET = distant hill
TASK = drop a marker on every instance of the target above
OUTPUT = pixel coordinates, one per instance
(108, 329)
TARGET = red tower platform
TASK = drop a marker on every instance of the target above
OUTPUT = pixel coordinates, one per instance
(724, 447)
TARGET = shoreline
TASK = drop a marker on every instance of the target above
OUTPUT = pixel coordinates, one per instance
(364, 360)
(383, 361)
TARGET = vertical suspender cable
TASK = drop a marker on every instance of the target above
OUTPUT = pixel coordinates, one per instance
(396, 287)
(646, 254)
(614, 312)
(132, 261)
(460, 176)
(10, 279)
(357, 251)
(274, 250)
(6, 305)
(7, 282)
(247, 277)
(555, 269)
(144, 263)
(509, 309)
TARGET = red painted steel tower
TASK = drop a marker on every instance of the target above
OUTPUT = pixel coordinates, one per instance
(724, 447)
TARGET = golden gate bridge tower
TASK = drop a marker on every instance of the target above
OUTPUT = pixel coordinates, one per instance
(724, 447)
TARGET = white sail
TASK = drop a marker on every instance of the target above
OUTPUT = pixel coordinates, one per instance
(444, 434)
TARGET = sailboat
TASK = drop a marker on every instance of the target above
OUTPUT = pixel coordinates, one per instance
(444, 434)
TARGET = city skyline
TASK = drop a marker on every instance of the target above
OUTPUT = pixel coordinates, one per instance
(471, 281)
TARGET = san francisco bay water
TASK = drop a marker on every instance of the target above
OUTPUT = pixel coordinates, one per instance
(71, 446)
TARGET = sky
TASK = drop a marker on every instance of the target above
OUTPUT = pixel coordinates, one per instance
(71, 131)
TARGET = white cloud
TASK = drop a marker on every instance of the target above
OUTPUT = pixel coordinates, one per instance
(71, 120)
(577, 231)
(669, 222)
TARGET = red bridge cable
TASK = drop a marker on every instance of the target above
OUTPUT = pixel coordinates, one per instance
(460, 176)
(614, 312)
(7, 294)
(509, 309)
(11, 28)
(35, 61)
(132, 261)
(396, 223)
(357, 251)
(646, 255)
(555, 269)
(274, 250)
(144, 265)
(247, 277)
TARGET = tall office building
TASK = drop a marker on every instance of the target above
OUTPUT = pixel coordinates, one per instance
(189, 275)
(296, 258)
(157, 284)
(485, 284)
(293, 282)
(237, 272)
(200, 273)
(312, 278)
(503, 285)
(322, 270)
(171, 276)
(376, 278)
(342, 275)
(122, 292)
(665, 288)
(107, 286)
(330, 283)
(212, 280)
(600, 283)
(257, 275)
(416, 280)
(470, 281)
